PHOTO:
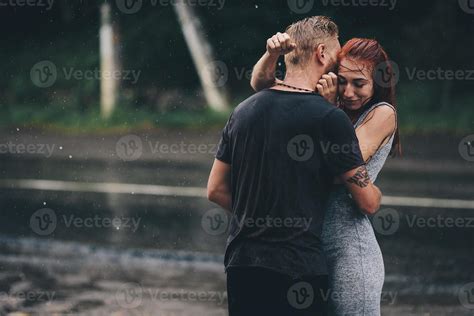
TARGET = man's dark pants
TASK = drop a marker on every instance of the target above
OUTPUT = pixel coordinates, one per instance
(260, 292)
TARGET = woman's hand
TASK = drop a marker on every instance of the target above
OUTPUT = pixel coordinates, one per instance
(327, 87)
(280, 44)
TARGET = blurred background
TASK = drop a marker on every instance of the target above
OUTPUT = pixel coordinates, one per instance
(110, 116)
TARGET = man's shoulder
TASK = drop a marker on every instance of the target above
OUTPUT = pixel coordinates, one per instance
(315, 101)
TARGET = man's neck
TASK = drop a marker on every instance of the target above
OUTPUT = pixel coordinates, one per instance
(303, 79)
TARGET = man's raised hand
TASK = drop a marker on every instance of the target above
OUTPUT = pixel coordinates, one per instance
(280, 44)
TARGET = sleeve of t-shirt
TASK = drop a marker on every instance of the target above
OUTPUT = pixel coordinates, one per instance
(224, 153)
(340, 145)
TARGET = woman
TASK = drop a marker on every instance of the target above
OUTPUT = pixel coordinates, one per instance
(355, 263)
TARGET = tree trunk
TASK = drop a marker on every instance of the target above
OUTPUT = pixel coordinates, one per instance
(108, 65)
(213, 74)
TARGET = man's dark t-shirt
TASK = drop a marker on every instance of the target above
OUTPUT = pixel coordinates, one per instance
(284, 148)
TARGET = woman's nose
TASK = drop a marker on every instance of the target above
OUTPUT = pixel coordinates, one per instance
(348, 92)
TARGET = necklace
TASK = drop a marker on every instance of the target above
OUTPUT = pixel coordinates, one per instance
(296, 88)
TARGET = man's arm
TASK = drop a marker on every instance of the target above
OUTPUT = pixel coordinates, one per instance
(366, 195)
(218, 185)
(263, 75)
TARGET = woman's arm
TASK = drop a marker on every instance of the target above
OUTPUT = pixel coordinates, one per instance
(376, 130)
(263, 75)
(377, 127)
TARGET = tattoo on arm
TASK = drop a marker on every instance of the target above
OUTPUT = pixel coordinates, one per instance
(361, 178)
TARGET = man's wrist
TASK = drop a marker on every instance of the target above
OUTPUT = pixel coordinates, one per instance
(272, 57)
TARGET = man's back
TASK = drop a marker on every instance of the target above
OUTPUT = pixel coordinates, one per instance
(277, 144)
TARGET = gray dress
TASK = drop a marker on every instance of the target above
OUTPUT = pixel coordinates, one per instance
(355, 263)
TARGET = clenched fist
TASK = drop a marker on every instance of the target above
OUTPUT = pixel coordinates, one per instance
(280, 44)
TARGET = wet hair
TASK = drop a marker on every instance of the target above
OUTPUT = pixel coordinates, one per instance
(307, 34)
(371, 54)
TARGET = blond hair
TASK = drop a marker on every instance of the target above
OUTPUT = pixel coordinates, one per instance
(307, 34)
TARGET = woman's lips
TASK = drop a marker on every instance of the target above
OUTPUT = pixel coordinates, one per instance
(350, 103)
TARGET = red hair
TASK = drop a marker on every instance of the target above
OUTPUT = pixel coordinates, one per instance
(371, 53)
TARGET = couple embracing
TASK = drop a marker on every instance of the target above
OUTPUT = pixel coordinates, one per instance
(307, 149)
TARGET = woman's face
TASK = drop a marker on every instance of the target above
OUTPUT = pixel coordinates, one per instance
(356, 85)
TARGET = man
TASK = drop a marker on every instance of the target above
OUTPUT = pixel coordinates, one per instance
(279, 153)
